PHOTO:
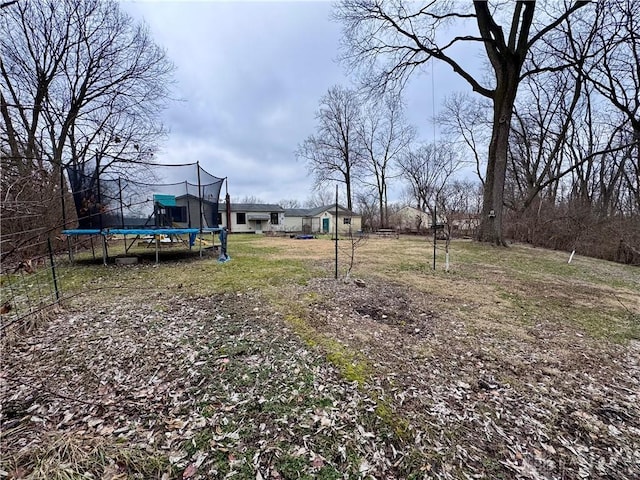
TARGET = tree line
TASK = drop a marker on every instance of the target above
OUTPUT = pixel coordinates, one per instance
(82, 86)
(552, 126)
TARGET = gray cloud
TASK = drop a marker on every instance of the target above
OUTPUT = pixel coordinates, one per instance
(250, 75)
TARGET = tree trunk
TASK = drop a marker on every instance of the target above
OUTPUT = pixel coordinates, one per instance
(490, 229)
(381, 207)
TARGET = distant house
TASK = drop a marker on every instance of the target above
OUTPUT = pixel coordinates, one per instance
(263, 217)
(464, 223)
(411, 219)
(322, 220)
(252, 217)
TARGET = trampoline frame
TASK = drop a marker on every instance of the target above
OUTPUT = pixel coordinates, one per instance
(155, 232)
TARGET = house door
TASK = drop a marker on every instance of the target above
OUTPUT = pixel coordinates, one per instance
(325, 225)
(258, 226)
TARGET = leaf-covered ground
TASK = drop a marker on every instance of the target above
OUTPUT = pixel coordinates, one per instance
(309, 377)
(164, 386)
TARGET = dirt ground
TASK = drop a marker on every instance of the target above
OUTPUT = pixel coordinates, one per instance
(319, 379)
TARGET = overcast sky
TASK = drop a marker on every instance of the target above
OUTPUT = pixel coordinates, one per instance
(250, 76)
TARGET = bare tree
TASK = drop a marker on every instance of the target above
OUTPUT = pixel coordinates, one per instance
(391, 40)
(615, 73)
(81, 81)
(367, 205)
(543, 120)
(384, 136)
(82, 86)
(427, 169)
(455, 203)
(289, 203)
(332, 154)
(320, 197)
(467, 121)
(354, 241)
(248, 199)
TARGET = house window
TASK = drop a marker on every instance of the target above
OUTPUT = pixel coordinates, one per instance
(219, 218)
(274, 218)
(241, 218)
(346, 220)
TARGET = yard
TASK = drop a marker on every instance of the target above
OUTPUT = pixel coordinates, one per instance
(514, 364)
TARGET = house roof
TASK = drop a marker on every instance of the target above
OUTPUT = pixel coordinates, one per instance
(312, 212)
(296, 212)
(251, 207)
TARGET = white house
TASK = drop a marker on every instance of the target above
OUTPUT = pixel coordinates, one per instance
(322, 220)
(261, 218)
(411, 219)
(464, 223)
(252, 217)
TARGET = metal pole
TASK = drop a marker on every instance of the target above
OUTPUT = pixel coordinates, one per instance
(336, 230)
(70, 247)
(186, 188)
(104, 248)
(53, 269)
(121, 206)
(99, 200)
(227, 200)
(435, 232)
(122, 214)
(200, 200)
(64, 214)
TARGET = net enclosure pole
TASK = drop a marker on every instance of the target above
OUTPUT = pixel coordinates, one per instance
(122, 214)
(121, 205)
(200, 203)
(186, 189)
(336, 230)
(227, 200)
(104, 248)
(99, 201)
(53, 269)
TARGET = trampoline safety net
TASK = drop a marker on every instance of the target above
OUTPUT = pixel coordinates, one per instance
(151, 196)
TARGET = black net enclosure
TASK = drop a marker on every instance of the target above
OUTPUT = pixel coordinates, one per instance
(154, 196)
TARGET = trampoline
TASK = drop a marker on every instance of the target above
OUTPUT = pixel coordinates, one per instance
(151, 211)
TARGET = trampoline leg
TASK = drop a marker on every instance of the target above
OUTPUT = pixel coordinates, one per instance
(104, 250)
(70, 249)
(157, 247)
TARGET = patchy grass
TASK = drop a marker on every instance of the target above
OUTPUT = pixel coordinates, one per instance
(520, 283)
(252, 267)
